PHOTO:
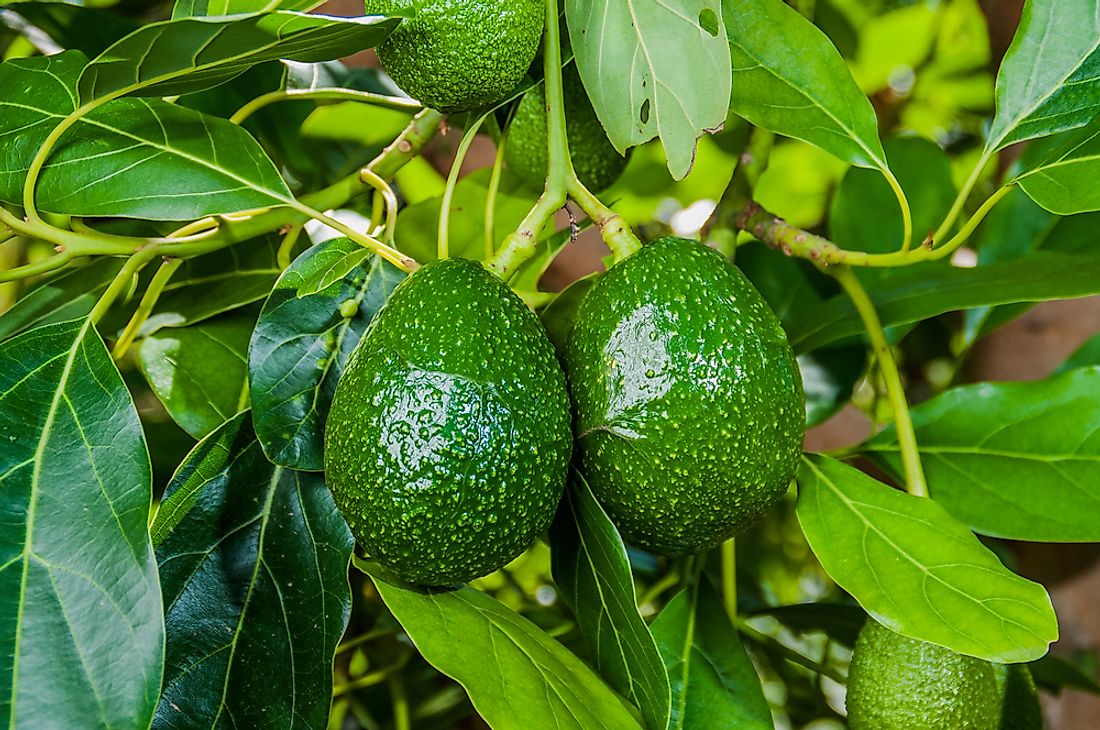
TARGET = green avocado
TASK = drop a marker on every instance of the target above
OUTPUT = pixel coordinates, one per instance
(460, 55)
(688, 399)
(596, 161)
(449, 436)
(898, 683)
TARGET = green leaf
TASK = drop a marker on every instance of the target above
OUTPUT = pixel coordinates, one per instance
(1050, 76)
(828, 377)
(1087, 354)
(789, 78)
(302, 343)
(140, 158)
(199, 8)
(253, 561)
(518, 678)
(921, 292)
(592, 572)
(76, 27)
(558, 316)
(218, 282)
(81, 632)
(917, 570)
(199, 373)
(1013, 460)
(185, 55)
(1055, 673)
(1064, 182)
(68, 295)
(714, 684)
(658, 69)
(839, 621)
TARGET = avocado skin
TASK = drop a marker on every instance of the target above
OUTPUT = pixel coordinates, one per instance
(595, 160)
(447, 444)
(460, 55)
(898, 683)
(688, 399)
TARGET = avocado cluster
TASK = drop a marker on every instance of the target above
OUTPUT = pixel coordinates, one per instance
(450, 432)
(898, 683)
(459, 55)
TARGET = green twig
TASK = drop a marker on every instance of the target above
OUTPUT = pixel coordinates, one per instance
(960, 199)
(400, 703)
(720, 230)
(613, 229)
(122, 280)
(145, 307)
(729, 578)
(906, 213)
(907, 438)
(389, 197)
(491, 196)
(334, 95)
(443, 240)
(372, 678)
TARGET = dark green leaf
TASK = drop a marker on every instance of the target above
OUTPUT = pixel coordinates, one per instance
(1055, 673)
(75, 27)
(593, 574)
(518, 678)
(714, 684)
(559, 315)
(1014, 460)
(641, 63)
(828, 377)
(840, 621)
(1064, 182)
(301, 344)
(81, 633)
(66, 296)
(199, 372)
(218, 282)
(253, 561)
(1049, 77)
(916, 569)
(921, 292)
(788, 77)
(189, 54)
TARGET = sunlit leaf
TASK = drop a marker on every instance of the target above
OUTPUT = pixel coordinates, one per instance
(1065, 181)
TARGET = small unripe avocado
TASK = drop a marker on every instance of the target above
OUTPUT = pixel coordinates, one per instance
(460, 55)
(449, 436)
(596, 161)
(898, 683)
(688, 399)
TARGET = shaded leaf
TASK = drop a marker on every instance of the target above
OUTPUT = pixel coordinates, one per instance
(1087, 354)
(518, 678)
(1013, 460)
(81, 632)
(1055, 673)
(593, 574)
(76, 27)
(253, 561)
(714, 684)
(558, 316)
(199, 372)
(70, 294)
(917, 570)
(1064, 182)
(839, 621)
(302, 343)
(924, 291)
(641, 64)
(1049, 77)
(788, 77)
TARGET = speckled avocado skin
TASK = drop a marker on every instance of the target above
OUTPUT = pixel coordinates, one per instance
(898, 683)
(460, 55)
(596, 161)
(447, 444)
(688, 400)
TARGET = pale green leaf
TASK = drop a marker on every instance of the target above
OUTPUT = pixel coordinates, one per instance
(199, 8)
(1065, 181)
(788, 77)
(1049, 80)
(916, 569)
(1013, 460)
(653, 69)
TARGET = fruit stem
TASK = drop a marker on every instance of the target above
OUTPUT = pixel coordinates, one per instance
(960, 199)
(332, 95)
(129, 270)
(906, 213)
(729, 578)
(443, 240)
(720, 230)
(491, 196)
(907, 438)
(613, 229)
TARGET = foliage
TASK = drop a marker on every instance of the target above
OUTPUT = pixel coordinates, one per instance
(203, 208)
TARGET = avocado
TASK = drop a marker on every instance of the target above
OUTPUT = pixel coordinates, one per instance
(459, 55)
(688, 400)
(447, 444)
(898, 683)
(595, 160)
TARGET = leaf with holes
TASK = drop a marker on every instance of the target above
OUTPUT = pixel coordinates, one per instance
(592, 571)
(641, 64)
(1013, 460)
(788, 77)
(1049, 80)
(518, 678)
(253, 561)
(81, 633)
(302, 343)
(916, 569)
(199, 372)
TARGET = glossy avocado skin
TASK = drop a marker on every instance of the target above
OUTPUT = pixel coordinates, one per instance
(447, 444)
(898, 683)
(688, 400)
(460, 55)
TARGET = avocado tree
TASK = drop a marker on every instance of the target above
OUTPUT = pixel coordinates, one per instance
(294, 432)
